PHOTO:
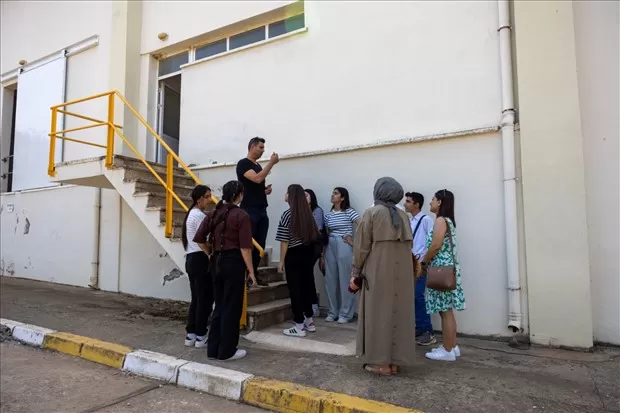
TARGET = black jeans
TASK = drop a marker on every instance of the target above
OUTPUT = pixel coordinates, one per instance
(317, 250)
(229, 284)
(260, 227)
(299, 267)
(201, 287)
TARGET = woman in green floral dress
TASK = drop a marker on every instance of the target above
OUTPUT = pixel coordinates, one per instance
(442, 253)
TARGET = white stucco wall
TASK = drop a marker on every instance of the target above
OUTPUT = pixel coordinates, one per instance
(423, 167)
(65, 256)
(87, 72)
(554, 192)
(45, 239)
(596, 37)
(185, 19)
(144, 262)
(363, 72)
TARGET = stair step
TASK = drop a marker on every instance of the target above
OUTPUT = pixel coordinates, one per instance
(133, 173)
(153, 185)
(263, 315)
(275, 291)
(270, 274)
(121, 161)
(159, 199)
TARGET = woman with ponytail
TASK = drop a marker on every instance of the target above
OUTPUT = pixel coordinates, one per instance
(227, 233)
(197, 268)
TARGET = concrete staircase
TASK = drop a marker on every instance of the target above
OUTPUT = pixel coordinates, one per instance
(147, 197)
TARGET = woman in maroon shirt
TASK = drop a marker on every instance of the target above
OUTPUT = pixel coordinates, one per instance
(227, 234)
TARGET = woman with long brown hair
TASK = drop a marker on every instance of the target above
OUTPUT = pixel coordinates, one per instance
(442, 252)
(297, 233)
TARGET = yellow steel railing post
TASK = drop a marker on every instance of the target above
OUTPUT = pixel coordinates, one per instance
(170, 185)
(244, 311)
(109, 154)
(51, 167)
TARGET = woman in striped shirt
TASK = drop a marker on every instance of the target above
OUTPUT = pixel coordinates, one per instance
(338, 257)
(197, 268)
(297, 233)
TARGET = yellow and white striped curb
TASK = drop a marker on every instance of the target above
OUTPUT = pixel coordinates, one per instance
(273, 395)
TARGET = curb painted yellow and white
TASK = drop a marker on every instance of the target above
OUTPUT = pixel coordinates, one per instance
(274, 395)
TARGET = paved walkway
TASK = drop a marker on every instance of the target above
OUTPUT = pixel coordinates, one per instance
(489, 377)
(42, 381)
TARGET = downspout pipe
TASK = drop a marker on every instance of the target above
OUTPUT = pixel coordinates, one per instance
(515, 316)
(94, 277)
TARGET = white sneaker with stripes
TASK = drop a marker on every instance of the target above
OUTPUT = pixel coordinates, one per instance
(295, 331)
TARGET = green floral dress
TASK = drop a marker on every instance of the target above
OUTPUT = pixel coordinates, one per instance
(436, 300)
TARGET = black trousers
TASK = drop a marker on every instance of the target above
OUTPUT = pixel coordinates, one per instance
(317, 250)
(299, 267)
(260, 227)
(228, 283)
(201, 287)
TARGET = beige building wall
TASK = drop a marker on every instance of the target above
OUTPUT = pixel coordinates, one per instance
(597, 41)
(554, 191)
(426, 167)
(384, 76)
(63, 218)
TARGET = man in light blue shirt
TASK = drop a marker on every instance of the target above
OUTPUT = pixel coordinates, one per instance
(421, 226)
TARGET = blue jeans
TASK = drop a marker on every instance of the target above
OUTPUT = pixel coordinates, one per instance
(422, 318)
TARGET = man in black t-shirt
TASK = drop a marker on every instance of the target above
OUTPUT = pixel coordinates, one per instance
(255, 192)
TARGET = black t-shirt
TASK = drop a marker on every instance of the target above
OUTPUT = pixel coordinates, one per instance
(253, 193)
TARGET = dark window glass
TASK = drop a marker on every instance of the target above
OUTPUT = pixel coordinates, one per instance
(172, 64)
(211, 49)
(287, 25)
(249, 37)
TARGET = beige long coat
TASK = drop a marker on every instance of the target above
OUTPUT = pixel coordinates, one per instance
(386, 324)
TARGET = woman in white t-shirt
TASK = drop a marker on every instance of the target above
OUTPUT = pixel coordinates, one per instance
(197, 268)
(338, 257)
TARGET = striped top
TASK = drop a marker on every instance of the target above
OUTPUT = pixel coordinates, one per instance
(284, 231)
(195, 218)
(340, 223)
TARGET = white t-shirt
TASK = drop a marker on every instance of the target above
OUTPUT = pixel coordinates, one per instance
(195, 218)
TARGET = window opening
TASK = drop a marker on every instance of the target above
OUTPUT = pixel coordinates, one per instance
(173, 63)
(246, 38)
(287, 25)
(211, 49)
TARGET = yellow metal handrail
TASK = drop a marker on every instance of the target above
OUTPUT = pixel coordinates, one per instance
(113, 129)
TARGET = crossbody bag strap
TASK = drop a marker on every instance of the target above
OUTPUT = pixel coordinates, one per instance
(415, 231)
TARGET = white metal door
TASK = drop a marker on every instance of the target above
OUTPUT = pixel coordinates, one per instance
(39, 88)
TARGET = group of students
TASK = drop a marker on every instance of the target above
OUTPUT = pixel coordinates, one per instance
(220, 259)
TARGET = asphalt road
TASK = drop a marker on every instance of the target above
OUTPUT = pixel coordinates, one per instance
(34, 380)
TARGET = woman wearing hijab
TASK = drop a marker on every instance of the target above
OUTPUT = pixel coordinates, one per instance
(382, 262)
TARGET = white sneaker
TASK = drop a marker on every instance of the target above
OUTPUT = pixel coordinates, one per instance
(190, 340)
(441, 354)
(315, 310)
(239, 354)
(309, 325)
(457, 350)
(342, 320)
(330, 319)
(201, 342)
(294, 332)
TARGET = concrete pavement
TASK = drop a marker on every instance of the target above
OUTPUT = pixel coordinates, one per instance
(34, 380)
(490, 377)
